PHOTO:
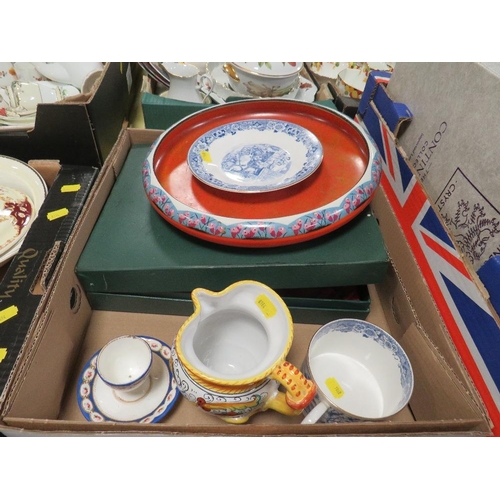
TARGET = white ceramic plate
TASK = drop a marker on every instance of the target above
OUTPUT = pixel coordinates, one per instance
(223, 91)
(26, 121)
(20, 176)
(98, 403)
(255, 156)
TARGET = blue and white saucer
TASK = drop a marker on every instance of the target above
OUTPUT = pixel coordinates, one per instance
(98, 403)
(255, 156)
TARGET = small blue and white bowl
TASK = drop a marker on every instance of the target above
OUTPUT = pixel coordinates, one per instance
(361, 372)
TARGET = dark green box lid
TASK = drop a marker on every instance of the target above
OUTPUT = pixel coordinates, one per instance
(133, 250)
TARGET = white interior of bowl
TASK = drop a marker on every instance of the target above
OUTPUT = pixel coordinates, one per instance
(359, 373)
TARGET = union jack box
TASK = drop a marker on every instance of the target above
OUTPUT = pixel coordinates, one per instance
(460, 319)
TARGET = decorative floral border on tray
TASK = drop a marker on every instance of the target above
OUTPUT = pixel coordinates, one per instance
(259, 229)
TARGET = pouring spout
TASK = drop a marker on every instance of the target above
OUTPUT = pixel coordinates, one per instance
(205, 302)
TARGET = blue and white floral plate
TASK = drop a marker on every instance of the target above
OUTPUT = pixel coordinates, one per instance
(98, 402)
(255, 156)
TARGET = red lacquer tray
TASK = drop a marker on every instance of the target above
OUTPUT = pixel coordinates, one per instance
(339, 189)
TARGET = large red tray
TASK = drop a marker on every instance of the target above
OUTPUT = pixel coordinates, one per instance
(340, 188)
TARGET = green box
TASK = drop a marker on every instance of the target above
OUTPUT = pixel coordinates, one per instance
(134, 251)
(308, 307)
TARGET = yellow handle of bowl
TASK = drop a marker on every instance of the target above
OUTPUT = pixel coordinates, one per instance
(299, 390)
(229, 69)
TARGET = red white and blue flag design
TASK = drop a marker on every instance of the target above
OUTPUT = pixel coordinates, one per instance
(465, 312)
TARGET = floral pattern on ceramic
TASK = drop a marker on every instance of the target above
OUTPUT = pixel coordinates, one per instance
(265, 90)
(223, 91)
(232, 406)
(273, 68)
(229, 356)
(255, 155)
(16, 212)
(369, 331)
(27, 182)
(264, 79)
(263, 229)
(88, 377)
(329, 70)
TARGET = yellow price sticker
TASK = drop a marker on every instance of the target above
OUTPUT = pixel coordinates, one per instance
(334, 387)
(70, 188)
(205, 156)
(265, 304)
(57, 214)
(8, 313)
(3, 353)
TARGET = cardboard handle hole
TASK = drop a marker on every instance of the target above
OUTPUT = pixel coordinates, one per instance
(394, 309)
(75, 299)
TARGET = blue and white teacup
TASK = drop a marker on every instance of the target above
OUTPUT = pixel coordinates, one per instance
(361, 373)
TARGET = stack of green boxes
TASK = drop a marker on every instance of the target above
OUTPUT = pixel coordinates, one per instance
(136, 261)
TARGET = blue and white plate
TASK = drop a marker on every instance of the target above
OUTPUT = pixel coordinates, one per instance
(255, 156)
(98, 403)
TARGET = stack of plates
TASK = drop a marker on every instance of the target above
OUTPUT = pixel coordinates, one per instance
(11, 117)
(22, 191)
(258, 173)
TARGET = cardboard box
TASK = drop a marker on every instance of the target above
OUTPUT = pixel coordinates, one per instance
(67, 145)
(316, 305)
(454, 158)
(80, 130)
(42, 398)
(466, 323)
(27, 277)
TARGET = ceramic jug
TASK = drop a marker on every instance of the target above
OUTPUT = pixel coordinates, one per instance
(228, 358)
(185, 82)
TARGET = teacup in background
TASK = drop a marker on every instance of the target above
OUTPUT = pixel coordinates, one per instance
(361, 372)
(228, 358)
(186, 82)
